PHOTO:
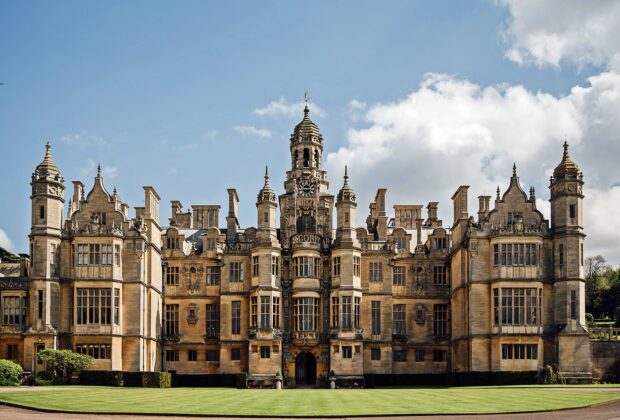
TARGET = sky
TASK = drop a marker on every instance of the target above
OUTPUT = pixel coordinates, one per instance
(419, 97)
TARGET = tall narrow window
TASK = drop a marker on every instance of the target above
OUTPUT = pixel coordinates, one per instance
(399, 276)
(573, 304)
(236, 272)
(440, 275)
(265, 312)
(399, 323)
(336, 265)
(275, 266)
(357, 262)
(172, 276)
(345, 311)
(561, 254)
(276, 312)
(255, 266)
(235, 324)
(572, 213)
(440, 320)
(376, 317)
(213, 320)
(254, 311)
(335, 311)
(39, 304)
(117, 299)
(375, 271)
(172, 320)
(356, 310)
(41, 212)
(306, 311)
(213, 276)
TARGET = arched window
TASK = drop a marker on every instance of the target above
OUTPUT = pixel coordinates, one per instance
(295, 158)
(306, 224)
(317, 160)
(306, 158)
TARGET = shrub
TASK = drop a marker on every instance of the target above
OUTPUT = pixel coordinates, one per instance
(61, 364)
(589, 319)
(242, 380)
(10, 373)
(147, 379)
(548, 375)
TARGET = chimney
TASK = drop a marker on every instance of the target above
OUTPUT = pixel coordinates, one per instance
(432, 211)
(381, 216)
(232, 224)
(151, 204)
(460, 203)
(483, 207)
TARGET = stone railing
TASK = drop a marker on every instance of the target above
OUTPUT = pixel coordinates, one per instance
(605, 334)
(516, 228)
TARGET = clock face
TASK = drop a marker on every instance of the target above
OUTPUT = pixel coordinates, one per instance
(306, 187)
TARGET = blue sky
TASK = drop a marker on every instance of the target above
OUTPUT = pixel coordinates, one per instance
(169, 93)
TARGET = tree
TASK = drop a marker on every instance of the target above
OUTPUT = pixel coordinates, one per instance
(6, 256)
(60, 364)
(598, 280)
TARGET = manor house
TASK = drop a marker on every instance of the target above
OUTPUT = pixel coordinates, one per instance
(305, 293)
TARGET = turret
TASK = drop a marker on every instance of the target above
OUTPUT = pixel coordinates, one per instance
(266, 206)
(345, 215)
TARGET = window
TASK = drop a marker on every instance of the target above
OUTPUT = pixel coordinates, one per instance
(96, 351)
(346, 217)
(345, 312)
(399, 324)
(573, 304)
(440, 355)
(518, 306)
(265, 312)
(399, 355)
(419, 355)
(95, 254)
(41, 212)
(235, 314)
(357, 263)
(213, 275)
(236, 271)
(356, 310)
(520, 351)
(172, 243)
(561, 254)
(213, 320)
(336, 266)
(399, 276)
(276, 312)
(440, 320)
(440, 275)
(14, 310)
(265, 217)
(375, 312)
(211, 244)
(212, 355)
(117, 255)
(335, 311)
(99, 217)
(40, 298)
(375, 354)
(172, 276)
(11, 351)
(265, 352)
(94, 306)
(375, 271)
(512, 218)
(347, 352)
(192, 356)
(235, 353)
(306, 314)
(275, 266)
(117, 305)
(306, 266)
(581, 254)
(401, 244)
(440, 243)
(572, 213)
(255, 266)
(171, 327)
(515, 254)
(254, 311)
(172, 355)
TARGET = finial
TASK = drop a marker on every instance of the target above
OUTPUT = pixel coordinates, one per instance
(532, 192)
(565, 155)
(266, 176)
(48, 151)
(514, 169)
(346, 176)
(98, 170)
(498, 192)
(114, 191)
(306, 99)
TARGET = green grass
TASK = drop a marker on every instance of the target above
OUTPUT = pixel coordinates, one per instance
(307, 402)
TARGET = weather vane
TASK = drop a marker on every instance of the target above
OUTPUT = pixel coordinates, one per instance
(306, 97)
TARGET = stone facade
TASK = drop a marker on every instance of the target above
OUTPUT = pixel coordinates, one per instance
(304, 296)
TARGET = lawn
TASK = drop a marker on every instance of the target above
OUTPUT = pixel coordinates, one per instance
(307, 402)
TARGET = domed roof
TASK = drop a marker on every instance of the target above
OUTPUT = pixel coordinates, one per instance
(307, 128)
(266, 193)
(47, 169)
(566, 168)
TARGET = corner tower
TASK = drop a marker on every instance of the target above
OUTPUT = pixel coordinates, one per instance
(573, 345)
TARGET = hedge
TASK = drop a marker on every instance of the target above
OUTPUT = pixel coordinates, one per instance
(452, 379)
(127, 379)
(211, 380)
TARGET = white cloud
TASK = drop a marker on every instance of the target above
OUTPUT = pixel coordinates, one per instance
(549, 32)
(5, 241)
(252, 131)
(282, 107)
(83, 140)
(356, 110)
(451, 132)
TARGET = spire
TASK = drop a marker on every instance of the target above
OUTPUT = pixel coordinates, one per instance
(566, 169)
(346, 192)
(266, 176)
(47, 169)
(48, 153)
(565, 156)
(266, 193)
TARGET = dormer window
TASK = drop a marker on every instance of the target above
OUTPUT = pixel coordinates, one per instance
(441, 243)
(172, 243)
(99, 218)
(511, 218)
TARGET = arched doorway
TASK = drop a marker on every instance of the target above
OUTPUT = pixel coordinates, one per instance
(305, 369)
